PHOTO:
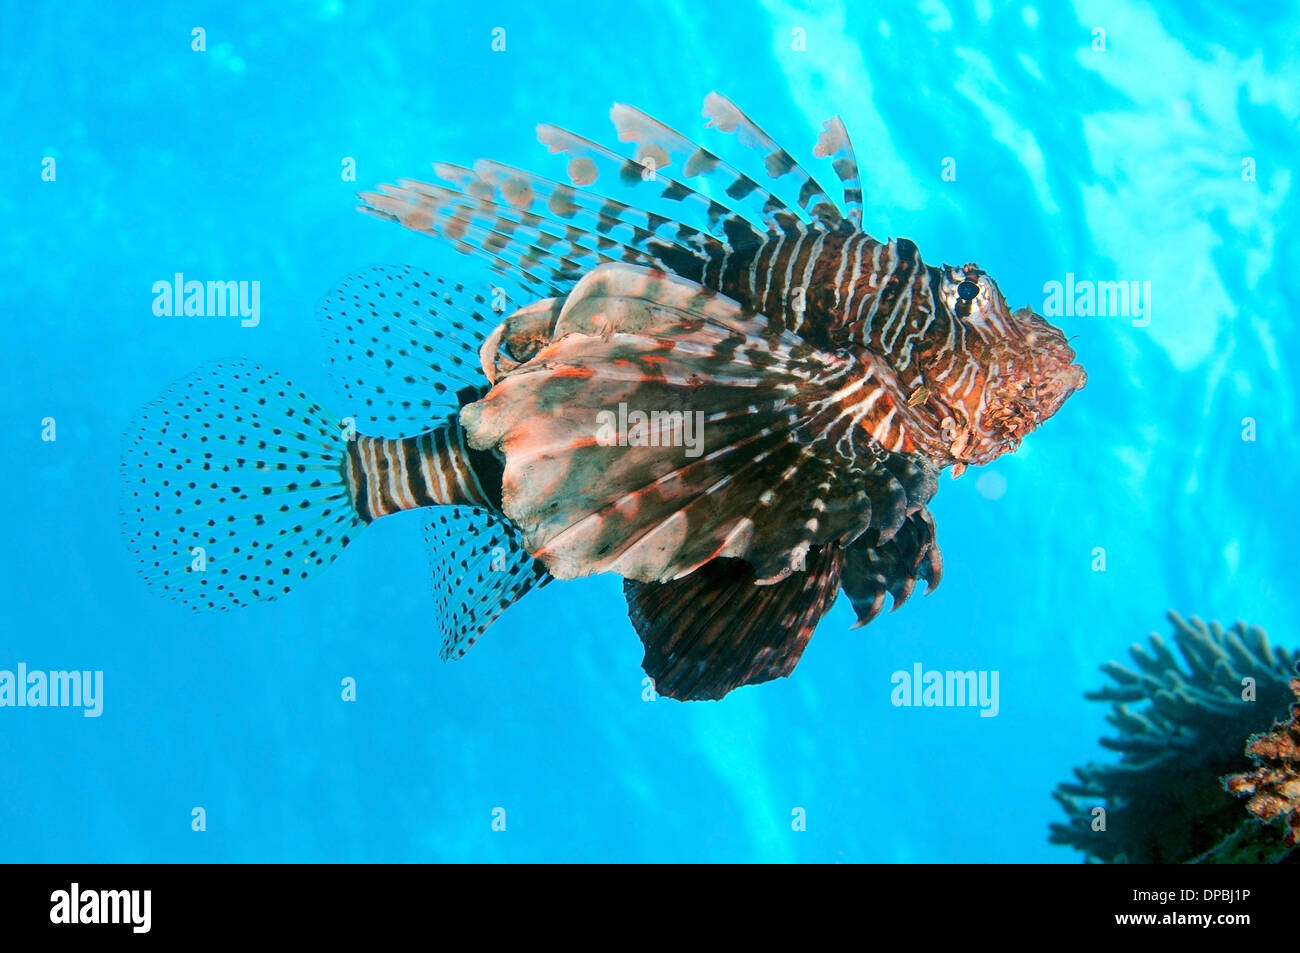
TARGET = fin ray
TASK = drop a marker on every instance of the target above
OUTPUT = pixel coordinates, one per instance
(420, 214)
(518, 242)
(726, 116)
(714, 630)
(404, 345)
(600, 215)
(660, 147)
(479, 568)
(588, 161)
(834, 144)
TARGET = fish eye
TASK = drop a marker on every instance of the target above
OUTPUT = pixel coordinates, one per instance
(967, 290)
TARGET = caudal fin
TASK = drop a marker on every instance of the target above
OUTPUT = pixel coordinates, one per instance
(234, 488)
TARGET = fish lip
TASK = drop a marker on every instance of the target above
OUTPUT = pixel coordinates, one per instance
(1066, 382)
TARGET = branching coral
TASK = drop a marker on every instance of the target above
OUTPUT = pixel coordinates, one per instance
(1274, 787)
(1181, 727)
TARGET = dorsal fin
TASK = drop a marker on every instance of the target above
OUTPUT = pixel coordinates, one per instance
(660, 147)
(521, 223)
(403, 343)
(724, 115)
(597, 215)
(588, 162)
(543, 234)
(431, 210)
(556, 252)
(834, 144)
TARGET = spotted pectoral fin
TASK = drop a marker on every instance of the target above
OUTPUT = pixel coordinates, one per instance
(479, 569)
(664, 427)
(715, 630)
(894, 566)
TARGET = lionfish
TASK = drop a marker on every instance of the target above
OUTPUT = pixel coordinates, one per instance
(833, 376)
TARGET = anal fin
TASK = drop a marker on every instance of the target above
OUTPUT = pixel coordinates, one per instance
(479, 569)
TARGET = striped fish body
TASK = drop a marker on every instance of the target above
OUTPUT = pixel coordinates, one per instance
(798, 387)
(843, 291)
(947, 353)
(849, 291)
(436, 468)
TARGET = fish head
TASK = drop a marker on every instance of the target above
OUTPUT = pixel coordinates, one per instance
(1024, 366)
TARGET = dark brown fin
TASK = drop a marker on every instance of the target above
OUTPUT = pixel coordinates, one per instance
(895, 566)
(714, 630)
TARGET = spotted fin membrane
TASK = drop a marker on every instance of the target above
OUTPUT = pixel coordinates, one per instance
(231, 488)
(479, 569)
(403, 345)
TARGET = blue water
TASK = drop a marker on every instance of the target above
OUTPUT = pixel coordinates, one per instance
(1117, 164)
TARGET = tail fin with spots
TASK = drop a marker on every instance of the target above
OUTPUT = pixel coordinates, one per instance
(237, 486)
(234, 488)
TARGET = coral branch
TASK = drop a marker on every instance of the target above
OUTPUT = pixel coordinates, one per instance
(1180, 719)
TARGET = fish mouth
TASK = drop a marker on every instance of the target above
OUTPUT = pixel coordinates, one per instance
(1054, 375)
(1056, 390)
(1016, 408)
(1057, 381)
